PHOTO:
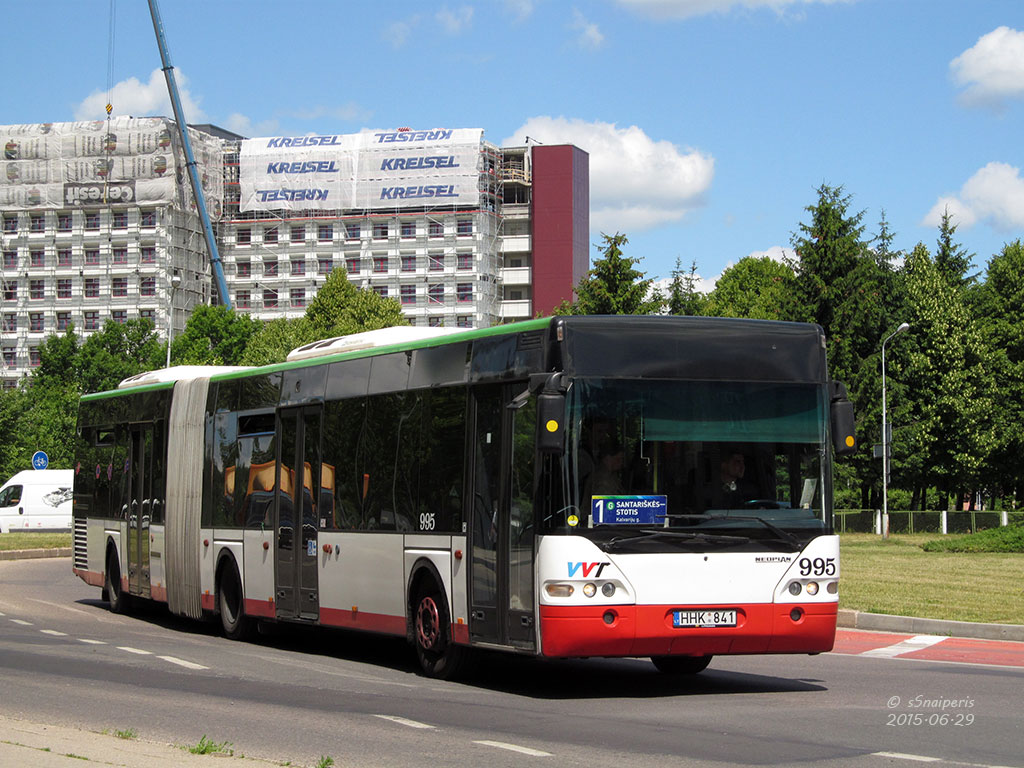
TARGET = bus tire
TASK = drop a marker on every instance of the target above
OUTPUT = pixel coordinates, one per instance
(681, 665)
(118, 600)
(234, 622)
(438, 656)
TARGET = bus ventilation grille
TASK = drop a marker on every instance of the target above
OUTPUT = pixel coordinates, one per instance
(532, 340)
(81, 552)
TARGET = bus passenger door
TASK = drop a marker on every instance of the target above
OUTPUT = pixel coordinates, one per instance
(501, 539)
(140, 500)
(296, 513)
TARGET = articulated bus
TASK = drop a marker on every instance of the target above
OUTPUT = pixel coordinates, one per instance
(563, 487)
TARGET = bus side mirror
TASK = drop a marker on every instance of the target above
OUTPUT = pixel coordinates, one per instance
(844, 439)
(550, 411)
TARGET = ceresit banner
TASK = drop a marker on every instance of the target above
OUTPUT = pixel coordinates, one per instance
(373, 169)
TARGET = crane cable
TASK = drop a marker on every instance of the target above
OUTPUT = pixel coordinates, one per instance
(107, 148)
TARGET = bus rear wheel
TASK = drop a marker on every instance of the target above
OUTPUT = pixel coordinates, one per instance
(681, 665)
(234, 622)
(117, 598)
(438, 655)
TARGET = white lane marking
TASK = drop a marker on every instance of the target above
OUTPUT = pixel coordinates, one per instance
(916, 643)
(22, 622)
(53, 632)
(87, 641)
(514, 748)
(3, 614)
(904, 756)
(182, 662)
(134, 650)
(57, 605)
(405, 721)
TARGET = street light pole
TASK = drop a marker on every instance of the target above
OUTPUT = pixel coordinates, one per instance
(885, 439)
(175, 282)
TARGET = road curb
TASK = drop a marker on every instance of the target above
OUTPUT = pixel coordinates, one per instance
(886, 623)
(31, 554)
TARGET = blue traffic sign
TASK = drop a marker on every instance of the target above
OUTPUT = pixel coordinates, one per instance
(40, 460)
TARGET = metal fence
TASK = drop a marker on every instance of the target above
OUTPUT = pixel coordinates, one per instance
(923, 521)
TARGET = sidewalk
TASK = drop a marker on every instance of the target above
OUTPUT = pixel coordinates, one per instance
(882, 622)
(24, 743)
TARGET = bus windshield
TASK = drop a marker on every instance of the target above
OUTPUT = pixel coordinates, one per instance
(691, 463)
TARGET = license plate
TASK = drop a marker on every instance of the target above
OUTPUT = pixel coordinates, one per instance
(703, 618)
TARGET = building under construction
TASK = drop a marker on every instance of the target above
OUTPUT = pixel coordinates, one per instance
(99, 223)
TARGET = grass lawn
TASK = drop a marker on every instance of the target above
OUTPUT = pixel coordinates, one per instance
(896, 576)
(31, 540)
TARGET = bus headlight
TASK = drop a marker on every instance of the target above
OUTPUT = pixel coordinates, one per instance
(607, 589)
(812, 588)
(589, 589)
(832, 587)
(794, 588)
(559, 590)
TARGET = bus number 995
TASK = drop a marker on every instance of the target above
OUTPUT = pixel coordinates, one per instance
(427, 521)
(819, 566)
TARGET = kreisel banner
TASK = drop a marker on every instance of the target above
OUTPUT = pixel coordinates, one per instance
(373, 169)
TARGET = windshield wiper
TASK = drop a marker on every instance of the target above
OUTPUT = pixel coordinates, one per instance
(780, 534)
(646, 534)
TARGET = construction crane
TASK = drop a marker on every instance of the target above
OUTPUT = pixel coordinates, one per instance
(190, 161)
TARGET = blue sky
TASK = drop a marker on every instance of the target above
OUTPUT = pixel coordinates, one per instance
(710, 123)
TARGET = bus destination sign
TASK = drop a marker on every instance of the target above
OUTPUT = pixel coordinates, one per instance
(629, 510)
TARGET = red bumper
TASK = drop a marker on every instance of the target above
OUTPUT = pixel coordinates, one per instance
(646, 630)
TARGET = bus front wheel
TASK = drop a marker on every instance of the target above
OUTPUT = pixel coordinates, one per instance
(437, 654)
(681, 665)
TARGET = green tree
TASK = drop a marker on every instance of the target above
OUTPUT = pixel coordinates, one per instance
(753, 287)
(613, 286)
(214, 336)
(951, 258)
(684, 296)
(118, 351)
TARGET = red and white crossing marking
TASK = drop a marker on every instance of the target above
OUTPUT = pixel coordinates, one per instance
(961, 650)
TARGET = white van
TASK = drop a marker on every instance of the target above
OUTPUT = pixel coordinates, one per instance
(37, 500)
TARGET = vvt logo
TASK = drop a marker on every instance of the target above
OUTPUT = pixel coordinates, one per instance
(586, 568)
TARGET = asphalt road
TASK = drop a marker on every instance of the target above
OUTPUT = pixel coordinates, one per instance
(296, 694)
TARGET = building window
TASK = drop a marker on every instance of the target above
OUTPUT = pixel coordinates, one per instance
(298, 233)
(352, 265)
(92, 257)
(63, 321)
(464, 292)
(119, 220)
(10, 290)
(243, 268)
(380, 264)
(298, 266)
(36, 289)
(37, 258)
(298, 297)
(92, 221)
(408, 229)
(435, 229)
(435, 294)
(10, 259)
(242, 299)
(10, 224)
(120, 255)
(269, 298)
(270, 268)
(33, 357)
(64, 288)
(353, 230)
(380, 230)
(408, 293)
(92, 287)
(148, 314)
(147, 254)
(324, 265)
(120, 316)
(119, 286)
(37, 223)
(408, 263)
(92, 319)
(465, 260)
(148, 286)
(435, 322)
(244, 236)
(464, 227)
(63, 222)
(10, 322)
(35, 321)
(10, 359)
(64, 257)
(381, 290)
(270, 235)
(435, 262)
(325, 232)
(147, 218)
(464, 321)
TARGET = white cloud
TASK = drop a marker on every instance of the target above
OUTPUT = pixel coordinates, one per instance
(455, 21)
(993, 69)
(664, 285)
(589, 34)
(398, 33)
(995, 195)
(520, 9)
(131, 97)
(244, 126)
(636, 183)
(777, 253)
(685, 9)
